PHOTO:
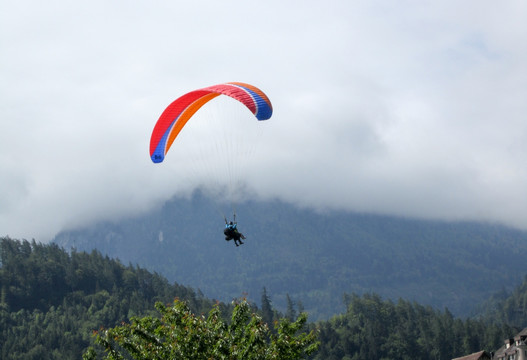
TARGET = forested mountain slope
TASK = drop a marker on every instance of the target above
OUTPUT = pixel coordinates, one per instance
(315, 257)
(51, 302)
(504, 306)
(375, 328)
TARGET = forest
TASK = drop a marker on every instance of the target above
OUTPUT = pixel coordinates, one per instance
(52, 301)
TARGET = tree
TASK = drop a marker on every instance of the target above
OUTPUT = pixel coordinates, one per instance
(290, 313)
(179, 334)
(267, 308)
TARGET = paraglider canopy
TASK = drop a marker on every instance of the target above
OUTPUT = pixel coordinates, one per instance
(176, 115)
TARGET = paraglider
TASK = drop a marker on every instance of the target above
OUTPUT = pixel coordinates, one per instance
(176, 115)
(231, 232)
(182, 110)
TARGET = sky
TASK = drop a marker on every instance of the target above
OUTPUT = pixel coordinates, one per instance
(407, 108)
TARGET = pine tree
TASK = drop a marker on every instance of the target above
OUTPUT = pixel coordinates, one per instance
(291, 312)
(267, 308)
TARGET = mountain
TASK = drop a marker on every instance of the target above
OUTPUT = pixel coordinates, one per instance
(507, 307)
(52, 303)
(314, 258)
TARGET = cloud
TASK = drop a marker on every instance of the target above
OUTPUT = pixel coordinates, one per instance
(416, 109)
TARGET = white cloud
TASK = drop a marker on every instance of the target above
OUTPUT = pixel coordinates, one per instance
(413, 109)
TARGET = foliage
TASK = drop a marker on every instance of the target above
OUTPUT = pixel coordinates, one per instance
(51, 301)
(373, 328)
(179, 334)
(510, 308)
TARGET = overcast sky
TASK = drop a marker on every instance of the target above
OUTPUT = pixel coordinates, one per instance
(410, 108)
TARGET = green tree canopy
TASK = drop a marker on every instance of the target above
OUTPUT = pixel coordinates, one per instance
(179, 334)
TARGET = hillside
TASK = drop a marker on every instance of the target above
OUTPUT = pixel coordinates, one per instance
(315, 258)
(506, 306)
(52, 301)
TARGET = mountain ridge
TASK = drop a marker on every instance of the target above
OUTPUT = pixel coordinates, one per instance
(315, 258)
